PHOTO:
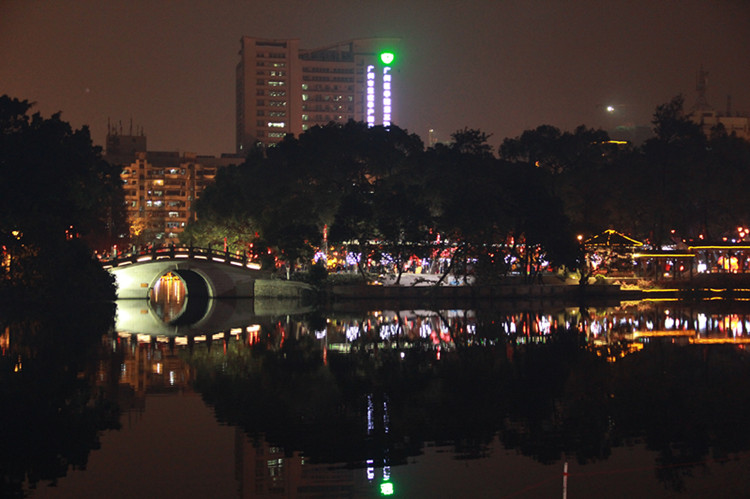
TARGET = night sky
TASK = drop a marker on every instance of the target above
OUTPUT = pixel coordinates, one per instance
(500, 66)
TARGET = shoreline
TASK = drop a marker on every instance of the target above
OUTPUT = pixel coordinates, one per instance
(711, 286)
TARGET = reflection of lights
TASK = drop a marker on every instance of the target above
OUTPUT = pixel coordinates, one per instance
(388, 330)
(544, 326)
(667, 334)
(352, 333)
(425, 331)
(370, 415)
(386, 419)
(386, 489)
(702, 322)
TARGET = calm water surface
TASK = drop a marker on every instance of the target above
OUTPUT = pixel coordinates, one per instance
(276, 400)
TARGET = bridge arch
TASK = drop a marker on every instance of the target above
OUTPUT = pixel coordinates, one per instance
(207, 274)
(196, 282)
(197, 294)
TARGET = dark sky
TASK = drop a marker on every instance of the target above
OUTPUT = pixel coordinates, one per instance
(500, 66)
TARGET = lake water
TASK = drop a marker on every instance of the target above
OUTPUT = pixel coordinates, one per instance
(642, 399)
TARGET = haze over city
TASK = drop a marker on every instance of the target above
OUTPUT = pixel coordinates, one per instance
(499, 66)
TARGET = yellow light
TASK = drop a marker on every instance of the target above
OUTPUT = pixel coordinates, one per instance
(656, 334)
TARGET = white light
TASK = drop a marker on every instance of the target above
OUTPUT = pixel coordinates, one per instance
(386, 96)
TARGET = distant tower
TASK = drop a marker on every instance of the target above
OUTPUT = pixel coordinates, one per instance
(701, 86)
(431, 138)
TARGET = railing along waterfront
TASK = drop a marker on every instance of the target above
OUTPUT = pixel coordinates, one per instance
(179, 253)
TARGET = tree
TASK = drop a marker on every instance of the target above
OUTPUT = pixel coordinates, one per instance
(53, 181)
(55, 192)
(326, 177)
(674, 173)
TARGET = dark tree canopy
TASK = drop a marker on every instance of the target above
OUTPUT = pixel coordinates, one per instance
(56, 192)
(379, 191)
(53, 180)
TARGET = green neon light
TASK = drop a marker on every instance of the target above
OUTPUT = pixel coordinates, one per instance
(387, 57)
(386, 489)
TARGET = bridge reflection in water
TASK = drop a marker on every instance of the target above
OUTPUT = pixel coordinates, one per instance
(239, 324)
(168, 314)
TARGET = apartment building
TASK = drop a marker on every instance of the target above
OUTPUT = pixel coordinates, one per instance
(160, 187)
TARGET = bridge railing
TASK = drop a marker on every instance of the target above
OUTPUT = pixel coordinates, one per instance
(179, 253)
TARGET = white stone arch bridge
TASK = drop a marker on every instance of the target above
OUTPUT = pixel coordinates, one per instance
(205, 273)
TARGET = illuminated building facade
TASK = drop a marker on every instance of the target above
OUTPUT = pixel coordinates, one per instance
(160, 187)
(284, 89)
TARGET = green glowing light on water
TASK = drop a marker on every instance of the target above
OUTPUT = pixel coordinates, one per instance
(386, 489)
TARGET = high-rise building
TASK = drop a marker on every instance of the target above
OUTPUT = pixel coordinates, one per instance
(160, 186)
(284, 89)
